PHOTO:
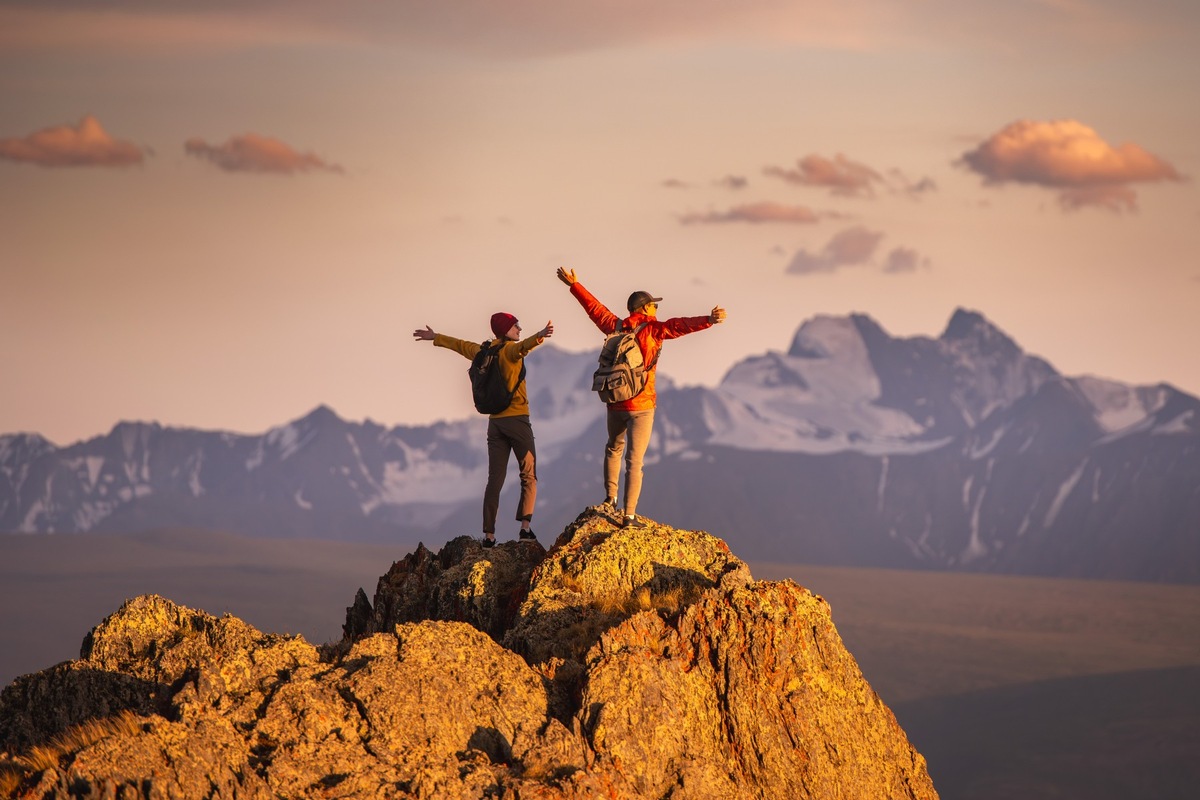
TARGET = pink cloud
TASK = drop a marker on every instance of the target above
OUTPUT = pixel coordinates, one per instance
(547, 27)
(851, 247)
(855, 247)
(84, 145)
(840, 175)
(1070, 156)
(509, 28)
(254, 153)
(133, 27)
(755, 213)
(847, 178)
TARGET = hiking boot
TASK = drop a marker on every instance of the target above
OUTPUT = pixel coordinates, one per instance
(527, 535)
(489, 542)
(633, 522)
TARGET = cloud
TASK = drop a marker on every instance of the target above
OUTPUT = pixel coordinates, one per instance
(848, 248)
(1113, 198)
(499, 28)
(855, 247)
(84, 145)
(732, 182)
(525, 28)
(904, 259)
(755, 213)
(902, 184)
(847, 178)
(254, 153)
(1071, 157)
(840, 175)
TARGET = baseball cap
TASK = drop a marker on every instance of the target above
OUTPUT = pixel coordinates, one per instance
(639, 299)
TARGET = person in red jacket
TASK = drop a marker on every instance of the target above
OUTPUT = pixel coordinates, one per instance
(634, 417)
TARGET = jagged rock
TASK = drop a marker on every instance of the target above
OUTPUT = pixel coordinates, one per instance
(750, 692)
(598, 573)
(462, 582)
(636, 663)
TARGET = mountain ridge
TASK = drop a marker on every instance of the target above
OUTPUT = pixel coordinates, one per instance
(974, 454)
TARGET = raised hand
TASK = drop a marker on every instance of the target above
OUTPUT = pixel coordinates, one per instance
(567, 276)
(546, 332)
(717, 315)
(425, 335)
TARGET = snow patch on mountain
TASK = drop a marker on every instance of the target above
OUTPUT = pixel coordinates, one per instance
(29, 523)
(1064, 491)
(1182, 423)
(421, 478)
(819, 398)
(1118, 406)
(285, 440)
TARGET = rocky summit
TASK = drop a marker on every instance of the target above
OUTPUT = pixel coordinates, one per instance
(622, 663)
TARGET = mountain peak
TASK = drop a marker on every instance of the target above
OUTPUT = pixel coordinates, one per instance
(24, 446)
(967, 324)
(829, 336)
(320, 416)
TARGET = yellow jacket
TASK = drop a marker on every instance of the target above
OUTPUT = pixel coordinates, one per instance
(511, 356)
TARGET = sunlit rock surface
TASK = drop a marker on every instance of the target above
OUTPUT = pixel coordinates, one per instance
(623, 663)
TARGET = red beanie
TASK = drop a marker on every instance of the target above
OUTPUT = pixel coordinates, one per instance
(502, 323)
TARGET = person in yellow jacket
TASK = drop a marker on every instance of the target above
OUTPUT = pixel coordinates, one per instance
(509, 431)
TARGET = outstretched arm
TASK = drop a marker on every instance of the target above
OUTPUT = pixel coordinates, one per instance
(464, 348)
(524, 346)
(605, 320)
(675, 327)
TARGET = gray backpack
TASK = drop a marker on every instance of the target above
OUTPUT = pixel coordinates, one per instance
(622, 370)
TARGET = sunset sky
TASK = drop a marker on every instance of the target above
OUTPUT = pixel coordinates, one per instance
(220, 214)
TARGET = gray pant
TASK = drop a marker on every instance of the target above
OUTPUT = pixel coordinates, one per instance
(507, 435)
(638, 424)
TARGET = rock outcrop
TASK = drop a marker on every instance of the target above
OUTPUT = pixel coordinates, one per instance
(623, 663)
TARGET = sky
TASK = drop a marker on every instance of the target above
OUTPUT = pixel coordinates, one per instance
(220, 215)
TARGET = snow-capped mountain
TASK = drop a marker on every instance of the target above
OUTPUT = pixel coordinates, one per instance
(852, 447)
(957, 452)
(316, 476)
(845, 385)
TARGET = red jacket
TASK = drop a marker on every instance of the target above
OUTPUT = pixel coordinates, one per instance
(650, 339)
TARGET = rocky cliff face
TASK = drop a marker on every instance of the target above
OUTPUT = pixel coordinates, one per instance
(620, 664)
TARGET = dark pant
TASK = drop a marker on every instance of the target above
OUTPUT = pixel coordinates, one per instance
(509, 435)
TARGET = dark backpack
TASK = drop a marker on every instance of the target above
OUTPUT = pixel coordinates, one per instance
(622, 371)
(489, 390)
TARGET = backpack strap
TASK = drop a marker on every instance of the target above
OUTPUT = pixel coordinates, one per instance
(496, 351)
(652, 364)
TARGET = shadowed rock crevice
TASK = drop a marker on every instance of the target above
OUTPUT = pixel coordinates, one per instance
(622, 663)
(463, 582)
